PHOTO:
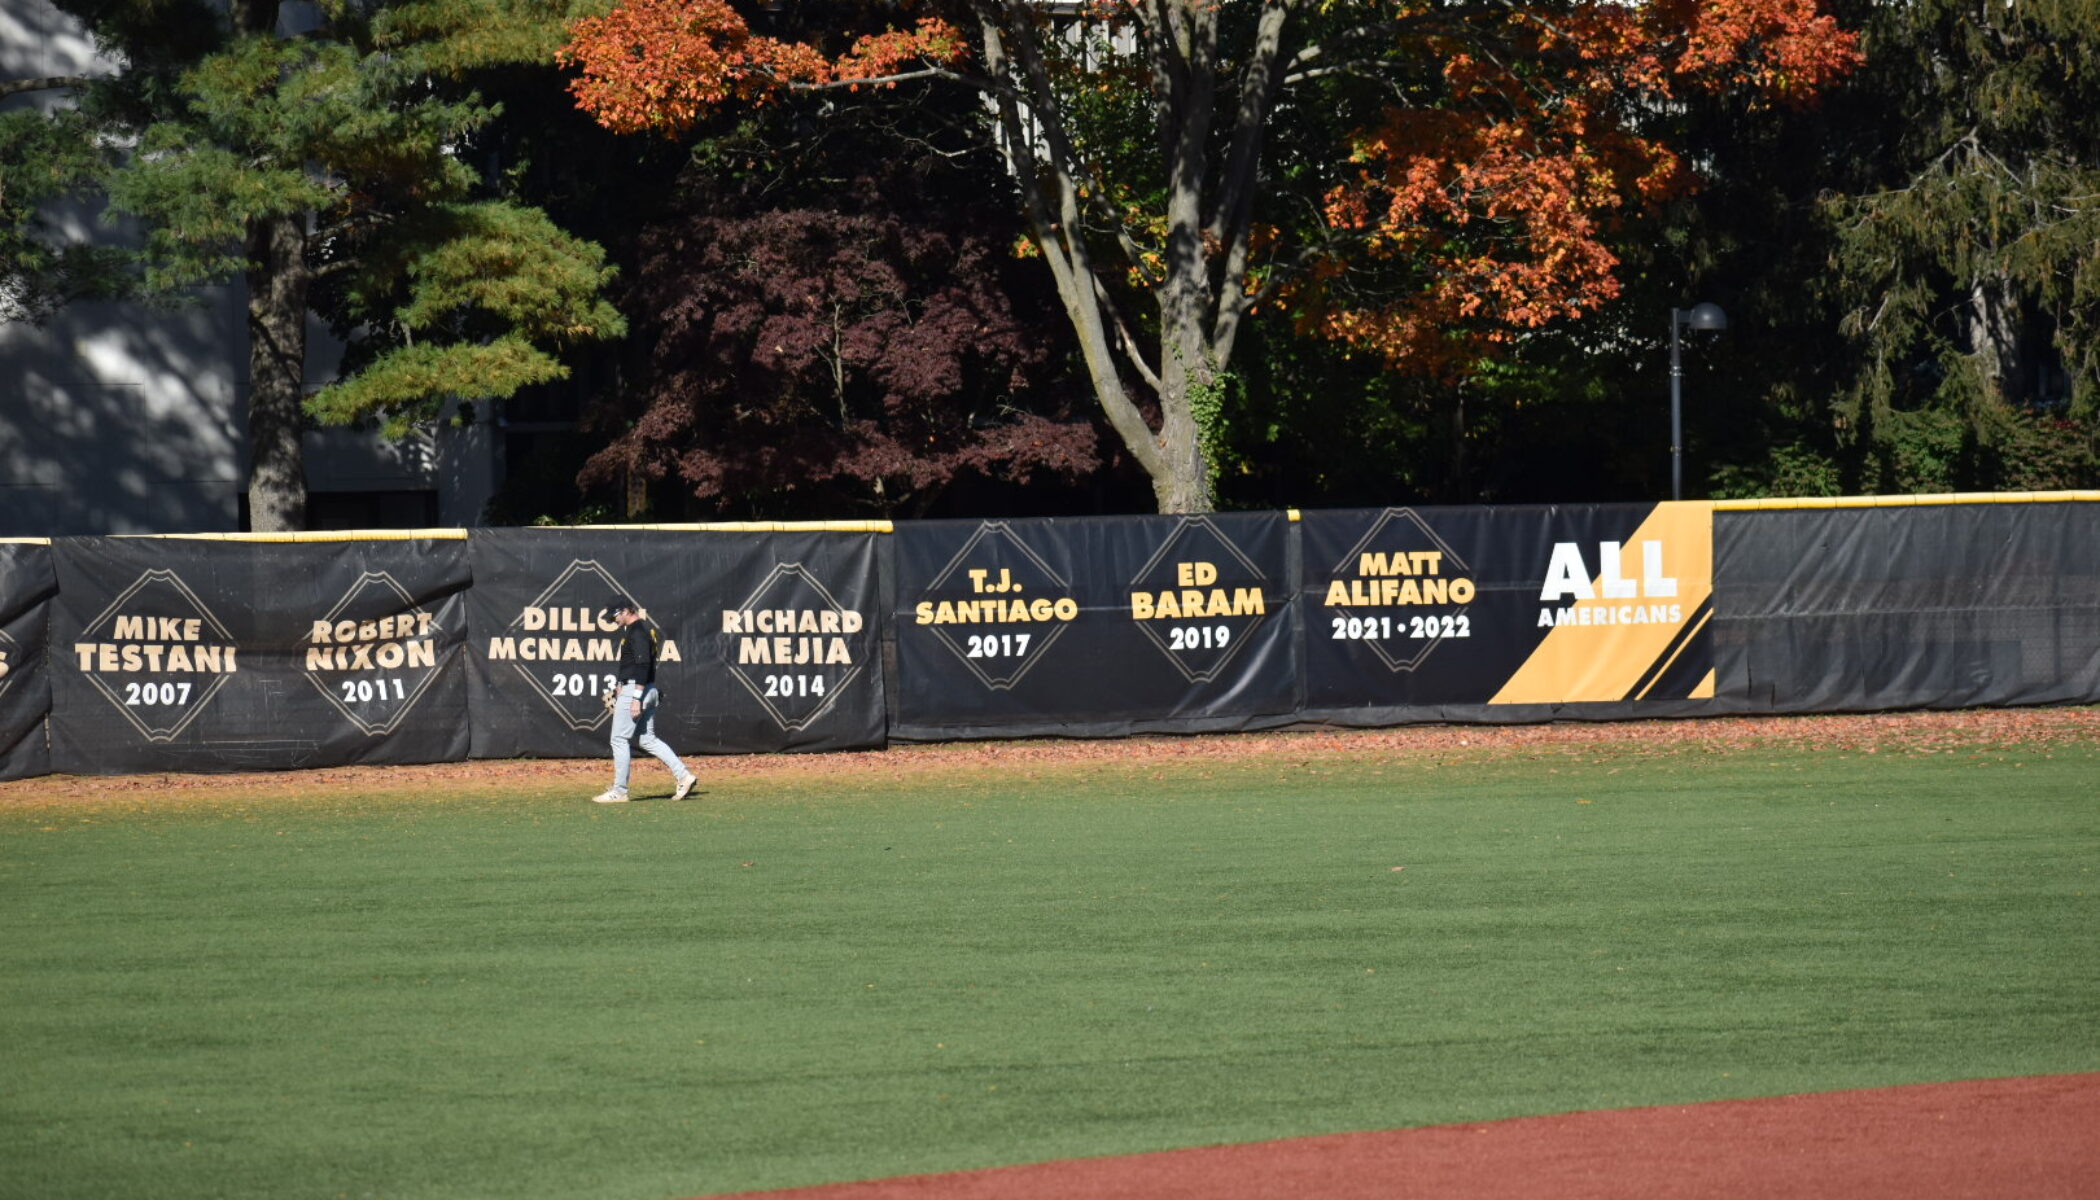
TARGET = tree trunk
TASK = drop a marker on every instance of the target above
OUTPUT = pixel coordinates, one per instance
(277, 284)
(1185, 52)
(1203, 296)
(1996, 337)
(1183, 481)
(277, 279)
(1455, 489)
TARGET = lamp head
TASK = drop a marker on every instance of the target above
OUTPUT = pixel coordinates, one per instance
(1706, 316)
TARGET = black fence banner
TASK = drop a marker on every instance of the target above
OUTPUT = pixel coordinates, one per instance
(223, 653)
(27, 586)
(1858, 607)
(770, 639)
(209, 654)
(1092, 626)
(1507, 614)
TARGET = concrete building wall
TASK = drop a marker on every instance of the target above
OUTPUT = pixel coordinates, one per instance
(111, 420)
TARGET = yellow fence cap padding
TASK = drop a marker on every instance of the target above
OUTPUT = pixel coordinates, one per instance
(749, 527)
(1912, 501)
(318, 535)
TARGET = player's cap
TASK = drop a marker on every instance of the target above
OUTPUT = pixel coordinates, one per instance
(618, 603)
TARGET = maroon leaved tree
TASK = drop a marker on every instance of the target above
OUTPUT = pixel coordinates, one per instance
(857, 353)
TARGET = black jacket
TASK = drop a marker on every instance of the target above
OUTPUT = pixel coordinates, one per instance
(638, 642)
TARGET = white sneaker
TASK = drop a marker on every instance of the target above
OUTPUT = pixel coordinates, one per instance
(610, 796)
(685, 787)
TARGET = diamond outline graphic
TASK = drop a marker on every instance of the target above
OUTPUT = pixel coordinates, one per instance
(575, 567)
(7, 662)
(167, 576)
(1028, 661)
(1238, 643)
(1393, 664)
(409, 606)
(832, 693)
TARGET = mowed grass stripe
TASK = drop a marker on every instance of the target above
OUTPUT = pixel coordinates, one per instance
(508, 994)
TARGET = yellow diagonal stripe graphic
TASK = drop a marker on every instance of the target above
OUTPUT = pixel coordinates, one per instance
(1687, 638)
(1642, 592)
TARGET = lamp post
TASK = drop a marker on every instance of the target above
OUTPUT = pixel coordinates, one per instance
(1698, 316)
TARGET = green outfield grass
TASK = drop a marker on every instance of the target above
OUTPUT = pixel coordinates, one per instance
(515, 994)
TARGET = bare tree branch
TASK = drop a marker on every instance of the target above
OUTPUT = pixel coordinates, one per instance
(49, 83)
(1060, 235)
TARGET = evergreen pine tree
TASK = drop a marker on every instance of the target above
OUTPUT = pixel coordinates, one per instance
(1964, 261)
(329, 168)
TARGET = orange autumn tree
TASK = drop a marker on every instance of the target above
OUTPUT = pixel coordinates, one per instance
(1417, 178)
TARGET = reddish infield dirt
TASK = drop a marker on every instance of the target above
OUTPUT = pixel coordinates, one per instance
(1996, 1139)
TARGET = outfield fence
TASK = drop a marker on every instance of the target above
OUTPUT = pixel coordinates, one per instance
(206, 653)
